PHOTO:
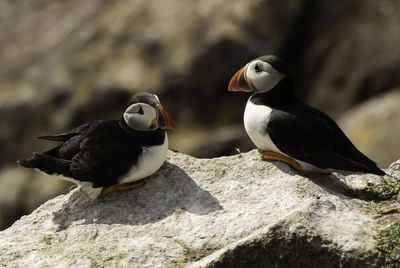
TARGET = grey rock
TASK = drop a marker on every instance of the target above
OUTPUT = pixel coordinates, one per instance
(235, 211)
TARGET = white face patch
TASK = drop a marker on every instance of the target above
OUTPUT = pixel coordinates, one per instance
(263, 76)
(139, 116)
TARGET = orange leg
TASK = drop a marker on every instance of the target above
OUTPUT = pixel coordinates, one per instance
(283, 158)
(120, 187)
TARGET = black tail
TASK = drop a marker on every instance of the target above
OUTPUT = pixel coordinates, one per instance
(47, 164)
(28, 162)
(370, 166)
(376, 170)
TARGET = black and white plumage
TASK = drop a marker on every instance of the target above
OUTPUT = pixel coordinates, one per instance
(277, 122)
(106, 153)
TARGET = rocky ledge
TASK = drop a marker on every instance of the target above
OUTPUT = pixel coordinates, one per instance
(235, 211)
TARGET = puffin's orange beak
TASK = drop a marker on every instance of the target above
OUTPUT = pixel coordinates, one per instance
(165, 121)
(239, 82)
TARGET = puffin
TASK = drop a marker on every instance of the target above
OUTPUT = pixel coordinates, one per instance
(108, 155)
(288, 130)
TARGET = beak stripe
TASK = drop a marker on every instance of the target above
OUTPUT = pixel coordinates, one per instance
(169, 122)
(239, 81)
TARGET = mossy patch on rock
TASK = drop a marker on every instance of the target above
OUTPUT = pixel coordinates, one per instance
(389, 244)
(382, 191)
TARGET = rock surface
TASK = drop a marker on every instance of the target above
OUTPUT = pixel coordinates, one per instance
(232, 211)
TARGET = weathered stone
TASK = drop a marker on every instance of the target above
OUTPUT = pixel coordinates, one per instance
(235, 211)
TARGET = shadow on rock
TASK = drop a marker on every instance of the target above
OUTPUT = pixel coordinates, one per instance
(336, 184)
(168, 190)
(330, 182)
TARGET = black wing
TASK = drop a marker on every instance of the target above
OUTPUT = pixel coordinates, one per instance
(59, 137)
(76, 131)
(72, 139)
(103, 161)
(309, 135)
(55, 160)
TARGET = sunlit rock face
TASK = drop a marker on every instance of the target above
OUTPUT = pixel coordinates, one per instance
(236, 211)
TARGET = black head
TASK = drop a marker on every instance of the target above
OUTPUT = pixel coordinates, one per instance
(143, 113)
(259, 75)
(144, 97)
(275, 62)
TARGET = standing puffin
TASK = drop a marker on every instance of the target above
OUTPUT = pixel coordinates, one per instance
(287, 130)
(108, 155)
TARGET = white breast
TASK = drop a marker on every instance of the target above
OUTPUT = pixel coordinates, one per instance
(255, 120)
(149, 162)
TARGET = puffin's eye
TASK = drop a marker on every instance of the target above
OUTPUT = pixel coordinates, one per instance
(257, 68)
(140, 110)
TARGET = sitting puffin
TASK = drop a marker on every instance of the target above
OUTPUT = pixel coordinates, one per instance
(108, 155)
(287, 130)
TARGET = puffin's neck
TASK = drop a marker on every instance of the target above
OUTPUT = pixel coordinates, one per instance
(132, 132)
(282, 93)
(146, 138)
(124, 126)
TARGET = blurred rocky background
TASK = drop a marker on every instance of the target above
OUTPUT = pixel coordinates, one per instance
(63, 63)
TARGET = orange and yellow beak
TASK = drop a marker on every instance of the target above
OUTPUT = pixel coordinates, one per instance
(164, 121)
(240, 82)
